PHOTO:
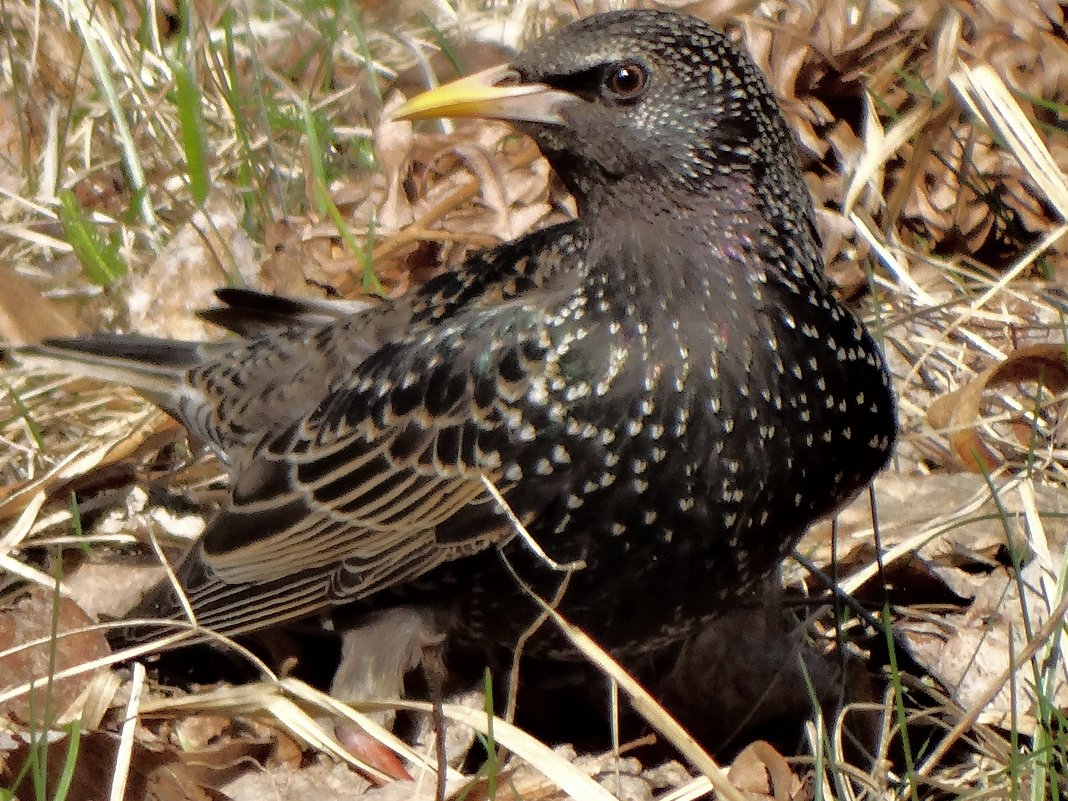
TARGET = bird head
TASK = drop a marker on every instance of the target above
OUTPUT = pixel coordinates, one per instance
(659, 102)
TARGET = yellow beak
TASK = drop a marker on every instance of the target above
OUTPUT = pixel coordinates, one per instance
(493, 94)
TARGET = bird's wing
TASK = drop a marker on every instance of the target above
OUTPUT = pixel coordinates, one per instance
(381, 483)
(293, 347)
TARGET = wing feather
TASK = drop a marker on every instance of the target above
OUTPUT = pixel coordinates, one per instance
(315, 544)
(349, 497)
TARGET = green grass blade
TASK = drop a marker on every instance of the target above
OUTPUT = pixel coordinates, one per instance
(99, 257)
(444, 45)
(325, 205)
(364, 49)
(76, 523)
(24, 413)
(70, 761)
(315, 159)
(191, 120)
(91, 34)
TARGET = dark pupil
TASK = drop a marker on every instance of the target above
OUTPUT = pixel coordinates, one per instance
(626, 80)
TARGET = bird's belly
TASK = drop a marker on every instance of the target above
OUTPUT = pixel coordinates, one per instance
(704, 489)
(669, 543)
(643, 584)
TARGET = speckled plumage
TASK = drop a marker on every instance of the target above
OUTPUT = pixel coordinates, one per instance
(664, 388)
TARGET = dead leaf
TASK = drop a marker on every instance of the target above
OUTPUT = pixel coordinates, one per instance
(760, 772)
(158, 771)
(209, 251)
(319, 780)
(28, 617)
(105, 585)
(959, 411)
(393, 143)
(971, 651)
(941, 520)
(282, 272)
(11, 177)
(26, 316)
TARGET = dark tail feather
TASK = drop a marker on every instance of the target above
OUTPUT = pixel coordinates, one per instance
(154, 367)
(251, 314)
(160, 353)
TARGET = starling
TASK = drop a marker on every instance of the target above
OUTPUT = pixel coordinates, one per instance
(664, 390)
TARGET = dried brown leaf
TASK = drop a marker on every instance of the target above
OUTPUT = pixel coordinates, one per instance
(26, 316)
(761, 772)
(26, 618)
(211, 246)
(970, 653)
(393, 143)
(959, 411)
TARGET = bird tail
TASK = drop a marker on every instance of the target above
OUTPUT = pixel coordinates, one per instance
(252, 314)
(154, 367)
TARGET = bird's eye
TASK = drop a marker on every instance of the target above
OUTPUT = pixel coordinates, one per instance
(626, 81)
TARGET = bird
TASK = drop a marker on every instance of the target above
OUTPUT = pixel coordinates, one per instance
(635, 413)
